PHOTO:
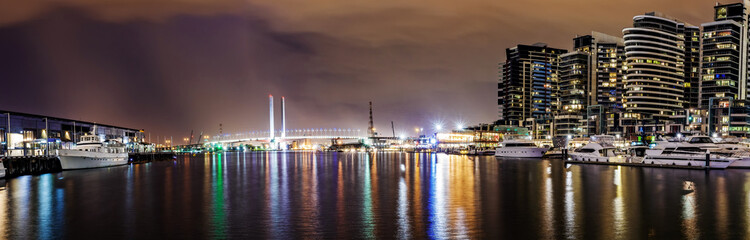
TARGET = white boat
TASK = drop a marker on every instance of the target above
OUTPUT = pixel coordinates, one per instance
(519, 148)
(691, 152)
(91, 152)
(733, 148)
(599, 149)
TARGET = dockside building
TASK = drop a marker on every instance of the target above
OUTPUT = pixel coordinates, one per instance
(33, 134)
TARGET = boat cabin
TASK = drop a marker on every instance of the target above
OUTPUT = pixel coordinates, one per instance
(518, 144)
(602, 150)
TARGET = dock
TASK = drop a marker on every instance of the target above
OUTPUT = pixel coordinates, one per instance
(635, 164)
(630, 164)
(34, 165)
(31, 165)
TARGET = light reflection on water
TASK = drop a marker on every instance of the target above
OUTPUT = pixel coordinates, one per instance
(386, 195)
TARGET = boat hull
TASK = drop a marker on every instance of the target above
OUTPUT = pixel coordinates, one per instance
(686, 161)
(520, 152)
(588, 158)
(74, 159)
(592, 158)
(742, 163)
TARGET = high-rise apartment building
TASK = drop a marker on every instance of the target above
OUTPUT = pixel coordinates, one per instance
(574, 94)
(528, 87)
(655, 78)
(591, 86)
(725, 70)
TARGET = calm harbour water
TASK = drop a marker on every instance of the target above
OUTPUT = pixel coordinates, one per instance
(384, 195)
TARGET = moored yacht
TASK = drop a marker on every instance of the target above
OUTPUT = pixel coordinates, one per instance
(599, 149)
(91, 152)
(691, 152)
(521, 147)
(733, 148)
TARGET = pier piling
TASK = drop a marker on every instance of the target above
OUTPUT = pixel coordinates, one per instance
(17, 166)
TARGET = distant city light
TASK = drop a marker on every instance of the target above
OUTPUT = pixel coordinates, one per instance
(438, 126)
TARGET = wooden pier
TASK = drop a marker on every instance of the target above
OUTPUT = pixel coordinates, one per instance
(33, 165)
(18, 166)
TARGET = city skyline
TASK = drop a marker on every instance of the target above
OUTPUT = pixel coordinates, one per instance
(207, 64)
(664, 76)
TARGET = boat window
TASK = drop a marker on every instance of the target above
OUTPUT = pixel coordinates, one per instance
(701, 140)
(520, 145)
(690, 149)
(585, 150)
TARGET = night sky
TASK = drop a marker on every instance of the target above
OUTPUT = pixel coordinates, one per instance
(174, 66)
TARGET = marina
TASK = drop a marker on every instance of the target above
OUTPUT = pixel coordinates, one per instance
(367, 120)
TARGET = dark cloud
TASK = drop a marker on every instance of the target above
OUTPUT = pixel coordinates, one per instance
(174, 66)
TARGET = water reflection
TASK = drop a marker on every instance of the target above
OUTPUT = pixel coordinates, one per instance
(689, 223)
(367, 221)
(382, 195)
(218, 211)
(403, 205)
(21, 191)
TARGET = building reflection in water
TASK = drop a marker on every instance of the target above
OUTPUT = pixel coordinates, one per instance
(415, 173)
(367, 222)
(463, 197)
(436, 202)
(620, 223)
(218, 212)
(376, 195)
(722, 206)
(21, 190)
(570, 204)
(403, 202)
(689, 221)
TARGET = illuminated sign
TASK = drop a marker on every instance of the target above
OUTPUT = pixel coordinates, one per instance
(721, 13)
